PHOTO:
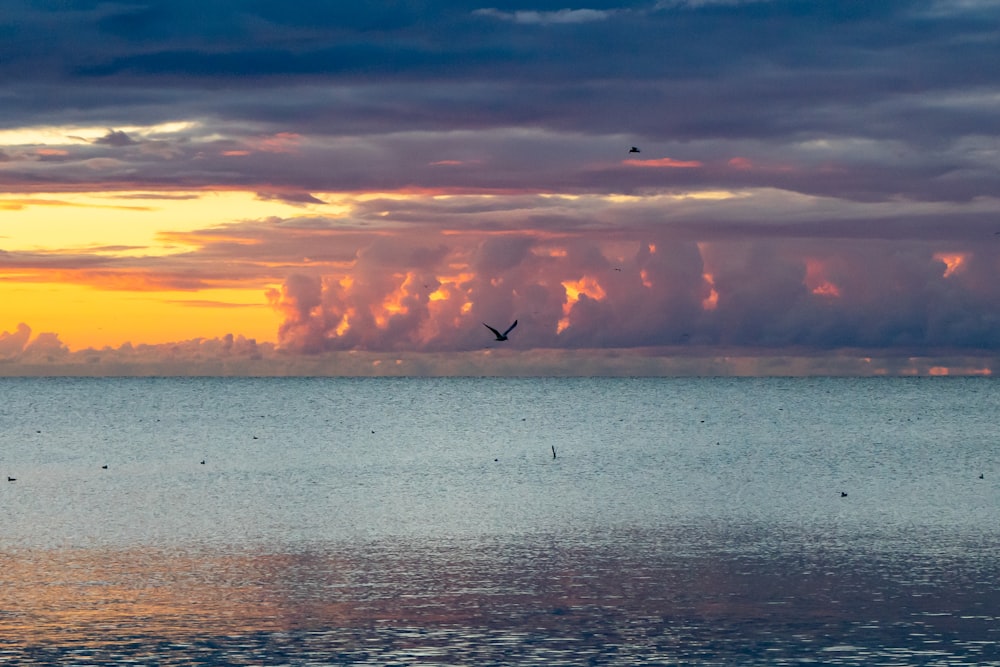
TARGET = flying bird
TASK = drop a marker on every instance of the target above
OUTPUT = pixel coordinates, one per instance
(501, 336)
(634, 150)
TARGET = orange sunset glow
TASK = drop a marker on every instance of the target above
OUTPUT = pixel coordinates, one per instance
(817, 280)
(102, 271)
(710, 302)
(952, 262)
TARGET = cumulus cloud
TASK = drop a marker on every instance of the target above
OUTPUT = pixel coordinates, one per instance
(18, 347)
(227, 355)
(645, 288)
(13, 343)
(46, 347)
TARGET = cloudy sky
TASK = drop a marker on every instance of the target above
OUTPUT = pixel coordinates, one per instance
(251, 185)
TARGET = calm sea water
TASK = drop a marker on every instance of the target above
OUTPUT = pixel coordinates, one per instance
(426, 521)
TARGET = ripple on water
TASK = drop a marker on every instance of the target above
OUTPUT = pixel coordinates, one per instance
(684, 522)
(624, 599)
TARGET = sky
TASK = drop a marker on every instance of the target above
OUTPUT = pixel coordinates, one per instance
(255, 187)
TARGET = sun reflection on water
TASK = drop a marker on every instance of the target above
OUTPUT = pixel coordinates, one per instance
(627, 599)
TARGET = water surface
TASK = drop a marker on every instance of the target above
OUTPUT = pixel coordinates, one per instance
(426, 521)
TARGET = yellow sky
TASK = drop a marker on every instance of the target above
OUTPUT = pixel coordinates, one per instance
(85, 220)
(87, 317)
(125, 224)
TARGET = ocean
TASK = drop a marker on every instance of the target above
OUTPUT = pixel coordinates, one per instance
(489, 521)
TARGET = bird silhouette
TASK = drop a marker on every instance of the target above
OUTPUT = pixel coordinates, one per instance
(634, 150)
(501, 336)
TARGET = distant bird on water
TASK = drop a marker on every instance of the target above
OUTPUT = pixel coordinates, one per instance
(634, 150)
(501, 336)
(11, 479)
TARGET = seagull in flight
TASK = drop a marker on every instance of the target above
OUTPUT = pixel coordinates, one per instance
(634, 150)
(501, 336)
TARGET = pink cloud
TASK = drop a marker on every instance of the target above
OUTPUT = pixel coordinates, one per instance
(430, 292)
(664, 163)
(13, 343)
(19, 345)
(281, 142)
(427, 283)
(741, 163)
(746, 164)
